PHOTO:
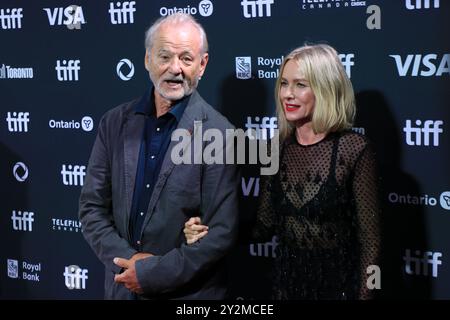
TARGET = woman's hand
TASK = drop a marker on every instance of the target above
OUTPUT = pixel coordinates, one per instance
(194, 230)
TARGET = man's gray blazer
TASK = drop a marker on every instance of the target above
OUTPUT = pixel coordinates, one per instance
(177, 270)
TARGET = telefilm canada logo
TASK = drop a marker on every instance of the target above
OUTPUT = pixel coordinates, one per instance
(66, 225)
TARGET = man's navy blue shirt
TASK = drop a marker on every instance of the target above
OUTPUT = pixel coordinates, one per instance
(155, 141)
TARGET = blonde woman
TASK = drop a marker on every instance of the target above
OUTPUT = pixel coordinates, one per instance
(322, 204)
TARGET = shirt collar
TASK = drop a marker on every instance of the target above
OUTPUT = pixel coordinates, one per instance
(147, 105)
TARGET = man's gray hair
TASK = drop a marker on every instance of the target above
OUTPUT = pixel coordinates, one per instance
(176, 18)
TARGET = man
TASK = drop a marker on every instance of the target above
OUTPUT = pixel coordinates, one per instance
(135, 199)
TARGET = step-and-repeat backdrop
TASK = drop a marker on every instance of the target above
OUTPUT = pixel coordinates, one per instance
(64, 63)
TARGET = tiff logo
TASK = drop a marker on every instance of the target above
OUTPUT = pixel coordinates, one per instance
(18, 121)
(347, 62)
(68, 70)
(11, 18)
(430, 128)
(73, 15)
(424, 65)
(419, 265)
(255, 8)
(75, 277)
(73, 175)
(123, 13)
(243, 67)
(417, 4)
(261, 127)
(22, 221)
(264, 249)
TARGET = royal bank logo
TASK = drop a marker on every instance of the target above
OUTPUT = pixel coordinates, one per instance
(20, 171)
(257, 8)
(243, 67)
(13, 268)
(205, 8)
(421, 4)
(329, 4)
(8, 72)
(66, 225)
(29, 272)
(125, 69)
(72, 17)
(422, 65)
(266, 67)
(75, 277)
(423, 133)
(122, 12)
(18, 121)
(86, 124)
(11, 18)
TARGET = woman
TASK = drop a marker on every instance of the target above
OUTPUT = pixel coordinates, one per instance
(323, 203)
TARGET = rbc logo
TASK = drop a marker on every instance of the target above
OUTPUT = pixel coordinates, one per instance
(418, 4)
(22, 221)
(13, 268)
(256, 8)
(122, 15)
(75, 277)
(430, 128)
(68, 70)
(18, 121)
(11, 18)
(120, 67)
(73, 175)
(243, 67)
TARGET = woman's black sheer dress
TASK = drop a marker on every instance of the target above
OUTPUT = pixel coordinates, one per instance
(323, 206)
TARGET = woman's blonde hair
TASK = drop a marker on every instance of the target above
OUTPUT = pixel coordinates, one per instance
(335, 100)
